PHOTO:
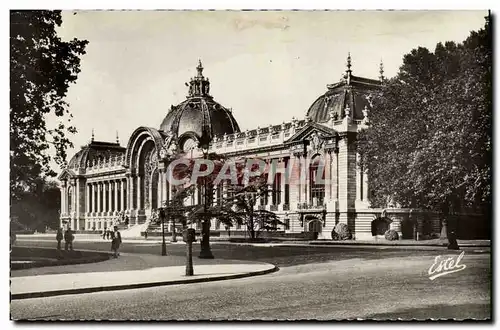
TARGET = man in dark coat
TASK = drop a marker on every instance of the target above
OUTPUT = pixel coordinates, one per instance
(116, 241)
(59, 237)
(68, 239)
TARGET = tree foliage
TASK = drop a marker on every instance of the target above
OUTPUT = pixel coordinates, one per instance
(39, 209)
(429, 144)
(243, 193)
(42, 66)
(242, 202)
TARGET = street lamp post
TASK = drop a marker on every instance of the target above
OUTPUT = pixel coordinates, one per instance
(205, 250)
(163, 243)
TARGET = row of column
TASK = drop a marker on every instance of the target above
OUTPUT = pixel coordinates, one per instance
(106, 196)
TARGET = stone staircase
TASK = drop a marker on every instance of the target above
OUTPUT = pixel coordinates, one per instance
(136, 230)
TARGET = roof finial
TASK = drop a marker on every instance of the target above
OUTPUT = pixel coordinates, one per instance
(92, 139)
(117, 138)
(199, 68)
(348, 71)
(381, 77)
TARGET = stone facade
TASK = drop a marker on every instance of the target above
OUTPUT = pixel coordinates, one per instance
(106, 183)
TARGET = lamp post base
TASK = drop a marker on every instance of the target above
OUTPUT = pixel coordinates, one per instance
(163, 249)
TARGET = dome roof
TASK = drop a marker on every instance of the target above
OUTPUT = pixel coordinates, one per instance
(199, 117)
(353, 92)
(95, 150)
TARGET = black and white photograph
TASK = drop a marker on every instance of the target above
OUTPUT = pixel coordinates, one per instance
(251, 165)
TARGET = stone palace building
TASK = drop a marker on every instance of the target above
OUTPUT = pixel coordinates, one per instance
(104, 180)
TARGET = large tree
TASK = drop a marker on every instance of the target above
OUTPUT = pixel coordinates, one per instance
(429, 144)
(39, 209)
(42, 66)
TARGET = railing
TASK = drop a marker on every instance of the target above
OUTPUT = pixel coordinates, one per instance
(261, 207)
(274, 208)
(311, 206)
(286, 207)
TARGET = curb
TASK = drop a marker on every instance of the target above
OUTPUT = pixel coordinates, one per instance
(444, 245)
(29, 295)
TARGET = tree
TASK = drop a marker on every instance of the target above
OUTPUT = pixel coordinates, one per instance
(242, 201)
(42, 66)
(176, 210)
(38, 209)
(429, 144)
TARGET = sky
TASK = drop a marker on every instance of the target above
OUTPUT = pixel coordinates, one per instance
(267, 66)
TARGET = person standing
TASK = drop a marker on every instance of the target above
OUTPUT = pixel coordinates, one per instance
(59, 237)
(68, 239)
(116, 241)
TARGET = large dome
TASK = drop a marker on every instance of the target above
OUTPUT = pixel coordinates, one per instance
(353, 92)
(199, 118)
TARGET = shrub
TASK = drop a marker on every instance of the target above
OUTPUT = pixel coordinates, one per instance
(391, 235)
(335, 236)
(343, 231)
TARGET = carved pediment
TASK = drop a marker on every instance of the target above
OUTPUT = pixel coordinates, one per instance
(66, 174)
(310, 132)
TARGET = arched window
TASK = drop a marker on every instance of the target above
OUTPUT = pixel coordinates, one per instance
(317, 181)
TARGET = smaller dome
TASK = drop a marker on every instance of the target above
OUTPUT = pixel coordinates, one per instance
(95, 150)
(352, 91)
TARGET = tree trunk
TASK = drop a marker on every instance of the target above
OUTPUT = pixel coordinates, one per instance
(252, 226)
(205, 252)
(174, 234)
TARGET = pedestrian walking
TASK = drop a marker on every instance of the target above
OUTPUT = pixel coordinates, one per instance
(115, 242)
(108, 234)
(146, 234)
(68, 239)
(452, 239)
(104, 231)
(59, 237)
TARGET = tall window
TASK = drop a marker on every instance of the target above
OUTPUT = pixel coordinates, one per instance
(317, 181)
(276, 192)
(287, 185)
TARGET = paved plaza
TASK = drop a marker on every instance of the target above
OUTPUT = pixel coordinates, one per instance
(318, 282)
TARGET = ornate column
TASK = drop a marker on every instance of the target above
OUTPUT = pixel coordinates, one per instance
(270, 196)
(282, 181)
(122, 197)
(116, 195)
(63, 193)
(328, 176)
(306, 179)
(73, 200)
(99, 196)
(130, 191)
(139, 192)
(110, 197)
(87, 193)
(358, 179)
(94, 196)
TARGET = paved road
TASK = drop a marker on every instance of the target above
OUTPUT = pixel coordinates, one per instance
(313, 283)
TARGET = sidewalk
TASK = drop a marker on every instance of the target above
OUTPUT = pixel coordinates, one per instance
(128, 271)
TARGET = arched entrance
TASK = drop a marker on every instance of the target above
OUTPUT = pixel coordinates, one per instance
(314, 225)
